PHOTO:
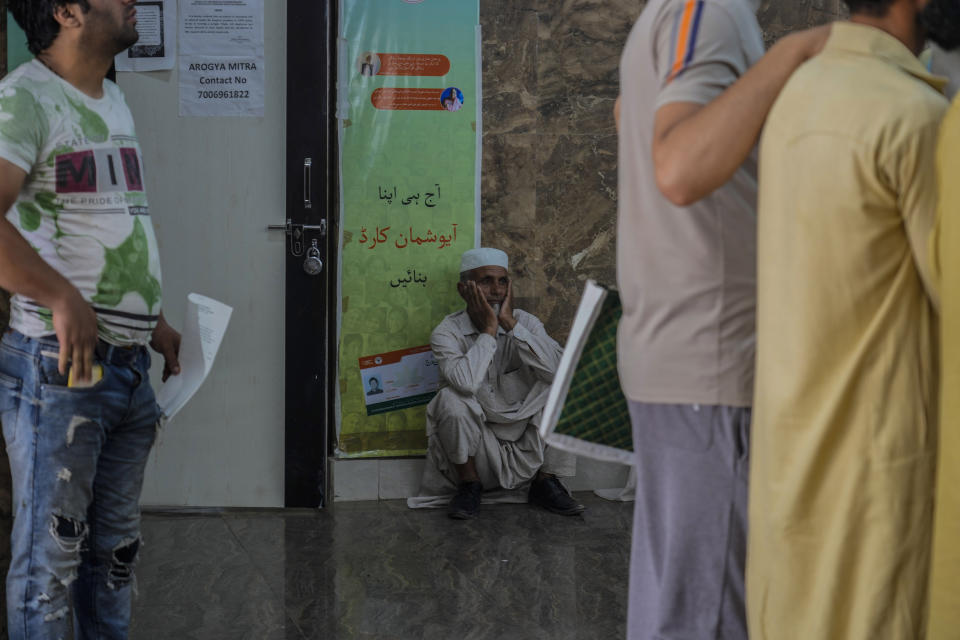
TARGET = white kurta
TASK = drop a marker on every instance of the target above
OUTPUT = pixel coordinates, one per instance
(492, 393)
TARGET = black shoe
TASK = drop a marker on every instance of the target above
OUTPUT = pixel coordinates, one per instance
(550, 494)
(466, 503)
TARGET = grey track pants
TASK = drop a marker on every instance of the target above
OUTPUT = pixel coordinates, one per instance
(690, 522)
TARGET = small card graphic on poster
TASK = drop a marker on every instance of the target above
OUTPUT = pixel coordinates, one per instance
(399, 379)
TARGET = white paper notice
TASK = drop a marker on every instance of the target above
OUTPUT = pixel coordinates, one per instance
(156, 48)
(221, 27)
(204, 325)
(221, 58)
(211, 86)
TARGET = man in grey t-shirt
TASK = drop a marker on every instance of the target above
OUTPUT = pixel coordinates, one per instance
(695, 89)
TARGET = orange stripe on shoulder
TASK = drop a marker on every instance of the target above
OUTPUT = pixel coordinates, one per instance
(684, 34)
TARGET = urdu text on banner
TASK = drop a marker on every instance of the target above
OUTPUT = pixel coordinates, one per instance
(409, 127)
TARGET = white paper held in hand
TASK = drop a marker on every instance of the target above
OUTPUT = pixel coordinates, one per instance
(204, 324)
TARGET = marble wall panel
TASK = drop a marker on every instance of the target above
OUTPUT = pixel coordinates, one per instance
(580, 42)
(549, 186)
(509, 67)
(780, 17)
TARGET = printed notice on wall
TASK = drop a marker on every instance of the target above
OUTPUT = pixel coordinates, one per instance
(211, 86)
(221, 58)
(156, 48)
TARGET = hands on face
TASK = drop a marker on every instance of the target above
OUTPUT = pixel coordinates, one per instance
(505, 317)
(484, 317)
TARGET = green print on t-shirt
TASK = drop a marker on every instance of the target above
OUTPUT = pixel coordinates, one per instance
(47, 316)
(48, 201)
(59, 151)
(136, 199)
(92, 125)
(26, 119)
(127, 270)
(30, 216)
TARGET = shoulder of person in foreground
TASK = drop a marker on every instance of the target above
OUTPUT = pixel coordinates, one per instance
(700, 49)
(717, 74)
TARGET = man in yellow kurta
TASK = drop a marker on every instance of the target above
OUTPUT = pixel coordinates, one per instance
(845, 421)
(945, 579)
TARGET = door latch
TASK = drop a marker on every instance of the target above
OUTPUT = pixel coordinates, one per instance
(296, 234)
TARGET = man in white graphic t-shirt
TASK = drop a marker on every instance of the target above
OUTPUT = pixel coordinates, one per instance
(77, 250)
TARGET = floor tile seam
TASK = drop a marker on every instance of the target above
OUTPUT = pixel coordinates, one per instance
(243, 547)
(280, 597)
(293, 621)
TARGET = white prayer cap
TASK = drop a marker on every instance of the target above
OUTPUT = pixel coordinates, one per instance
(484, 257)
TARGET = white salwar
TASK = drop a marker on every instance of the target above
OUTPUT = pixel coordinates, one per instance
(491, 398)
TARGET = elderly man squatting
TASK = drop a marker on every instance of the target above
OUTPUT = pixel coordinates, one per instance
(496, 366)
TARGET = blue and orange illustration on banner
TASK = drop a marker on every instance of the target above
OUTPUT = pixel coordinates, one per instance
(409, 125)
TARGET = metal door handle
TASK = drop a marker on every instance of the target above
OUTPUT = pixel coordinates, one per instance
(295, 233)
(307, 171)
(296, 229)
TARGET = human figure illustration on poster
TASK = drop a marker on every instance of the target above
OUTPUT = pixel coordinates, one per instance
(374, 387)
(368, 64)
(451, 99)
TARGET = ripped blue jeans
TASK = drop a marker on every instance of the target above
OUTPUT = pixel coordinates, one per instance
(77, 457)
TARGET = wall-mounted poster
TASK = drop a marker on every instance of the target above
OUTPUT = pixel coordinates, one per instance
(409, 113)
(222, 70)
(156, 50)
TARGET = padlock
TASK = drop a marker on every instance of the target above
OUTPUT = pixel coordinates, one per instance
(313, 264)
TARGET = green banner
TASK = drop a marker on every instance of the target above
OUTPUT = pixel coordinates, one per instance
(409, 125)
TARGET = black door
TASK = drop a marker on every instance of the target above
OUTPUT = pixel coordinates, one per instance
(312, 188)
